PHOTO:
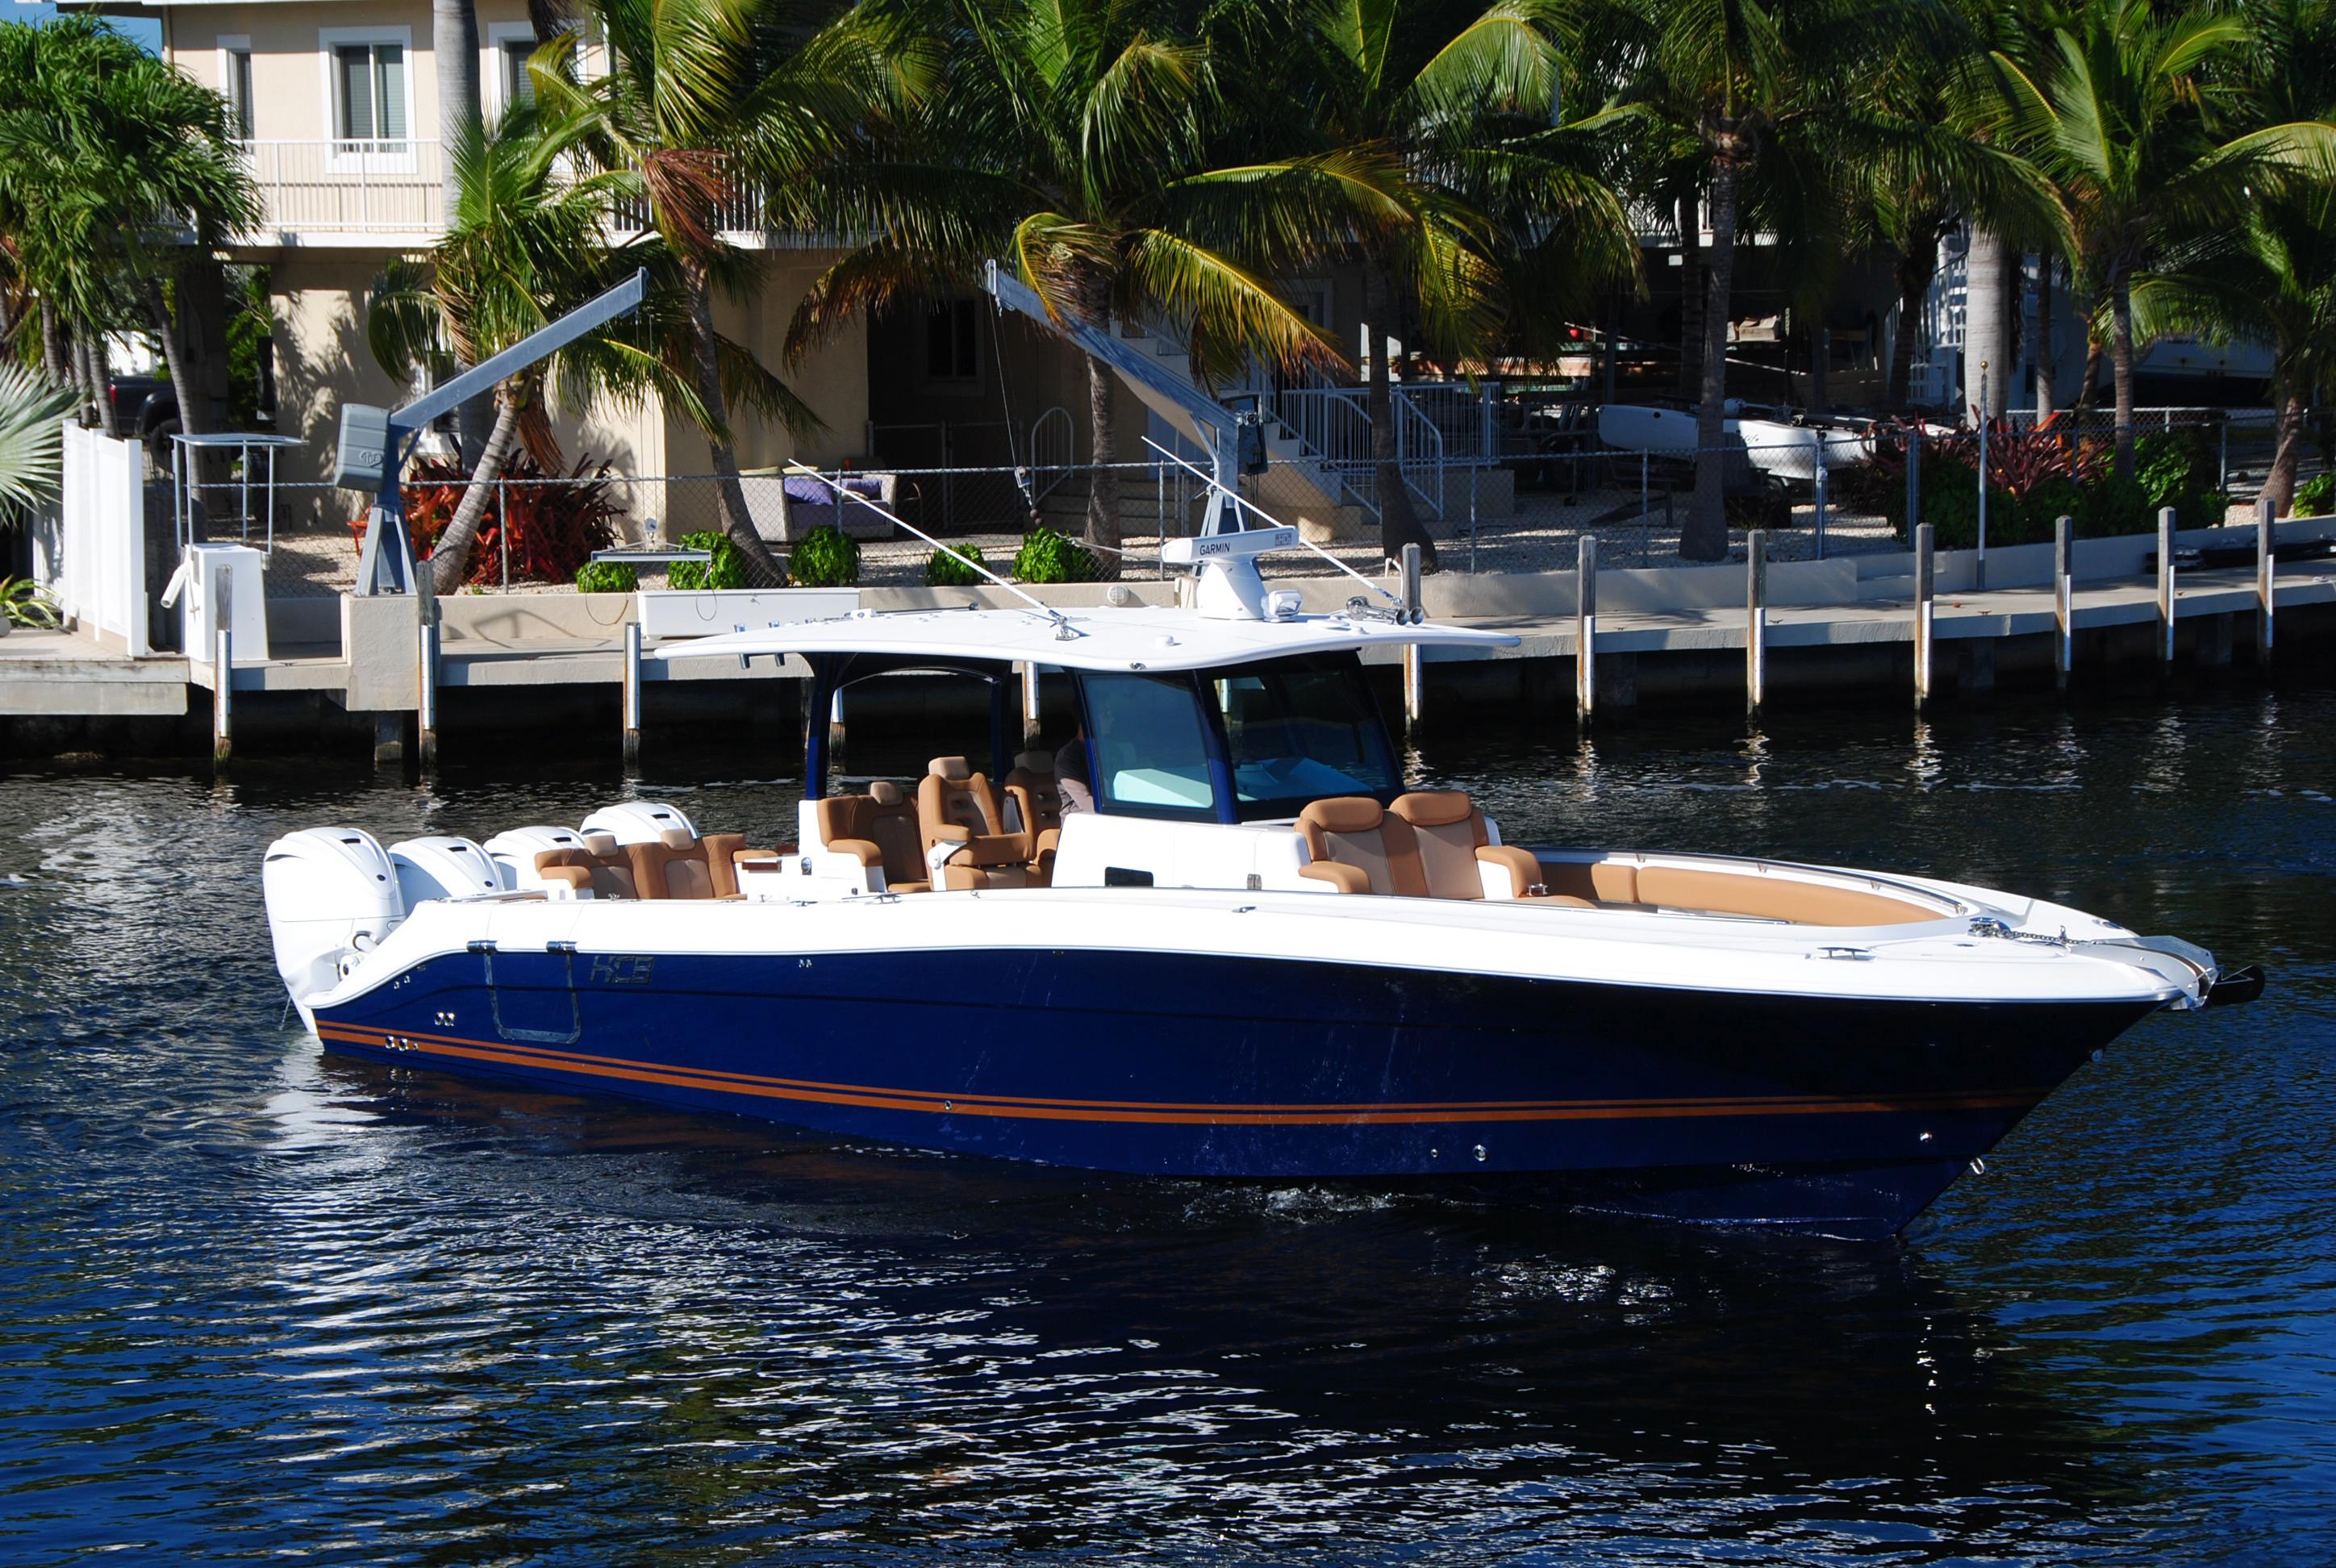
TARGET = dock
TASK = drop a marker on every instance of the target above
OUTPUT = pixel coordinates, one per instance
(1928, 624)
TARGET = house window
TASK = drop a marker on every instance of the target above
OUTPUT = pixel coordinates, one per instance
(518, 86)
(235, 76)
(369, 96)
(953, 342)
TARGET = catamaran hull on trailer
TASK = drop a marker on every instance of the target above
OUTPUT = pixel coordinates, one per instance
(1842, 1114)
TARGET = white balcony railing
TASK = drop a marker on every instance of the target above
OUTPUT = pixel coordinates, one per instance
(396, 189)
(351, 188)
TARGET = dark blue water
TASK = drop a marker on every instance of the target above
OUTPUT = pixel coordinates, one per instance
(258, 1303)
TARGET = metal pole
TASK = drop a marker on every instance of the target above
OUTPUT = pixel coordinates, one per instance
(1925, 584)
(632, 694)
(502, 527)
(1472, 521)
(425, 706)
(223, 697)
(1979, 568)
(835, 722)
(1755, 618)
(1644, 504)
(2266, 574)
(2064, 597)
(1585, 627)
(2165, 585)
(1030, 702)
(1913, 477)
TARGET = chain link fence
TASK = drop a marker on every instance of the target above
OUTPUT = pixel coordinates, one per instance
(1817, 495)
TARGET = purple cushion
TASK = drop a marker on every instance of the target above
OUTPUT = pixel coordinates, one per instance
(807, 490)
(865, 485)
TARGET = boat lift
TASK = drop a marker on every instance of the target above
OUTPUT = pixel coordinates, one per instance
(1223, 427)
(374, 443)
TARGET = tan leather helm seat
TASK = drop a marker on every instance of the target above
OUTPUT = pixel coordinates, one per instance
(956, 807)
(1357, 848)
(881, 829)
(1034, 807)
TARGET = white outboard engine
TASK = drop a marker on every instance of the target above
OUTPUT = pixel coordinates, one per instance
(441, 868)
(514, 850)
(332, 892)
(638, 822)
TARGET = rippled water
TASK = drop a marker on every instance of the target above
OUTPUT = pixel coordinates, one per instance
(257, 1302)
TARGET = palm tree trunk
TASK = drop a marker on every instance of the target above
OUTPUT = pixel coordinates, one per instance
(91, 356)
(1914, 270)
(1690, 367)
(454, 58)
(763, 569)
(52, 343)
(1987, 335)
(1705, 536)
(1103, 436)
(1398, 522)
(2121, 364)
(450, 558)
(2043, 335)
(2288, 456)
(158, 311)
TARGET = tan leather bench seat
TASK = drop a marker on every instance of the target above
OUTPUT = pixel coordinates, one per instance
(1758, 897)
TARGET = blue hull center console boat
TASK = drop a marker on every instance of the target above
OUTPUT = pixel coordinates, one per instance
(1212, 933)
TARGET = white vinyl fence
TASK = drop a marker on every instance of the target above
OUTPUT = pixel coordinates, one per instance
(90, 548)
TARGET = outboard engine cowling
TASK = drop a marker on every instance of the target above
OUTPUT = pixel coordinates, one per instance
(441, 868)
(514, 851)
(330, 891)
(638, 822)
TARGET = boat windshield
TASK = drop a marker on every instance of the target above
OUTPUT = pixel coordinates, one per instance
(1292, 731)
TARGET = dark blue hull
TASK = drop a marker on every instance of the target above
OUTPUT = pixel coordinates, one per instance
(1846, 1115)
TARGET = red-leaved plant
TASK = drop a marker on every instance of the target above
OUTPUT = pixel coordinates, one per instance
(555, 524)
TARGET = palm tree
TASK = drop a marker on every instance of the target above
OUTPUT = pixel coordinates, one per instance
(1488, 202)
(1734, 77)
(709, 103)
(524, 244)
(111, 161)
(2272, 279)
(2126, 107)
(30, 445)
(1067, 140)
(1790, 95)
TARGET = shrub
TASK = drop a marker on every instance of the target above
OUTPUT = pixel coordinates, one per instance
(951, 566)
(23, 602)
(825, 558)
(1046, 556)
(1768, 506)
(606, 576)
(724, 569)
(2315, 497)
(554, 526)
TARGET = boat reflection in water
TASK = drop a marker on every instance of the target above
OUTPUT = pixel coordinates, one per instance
(966, 1338)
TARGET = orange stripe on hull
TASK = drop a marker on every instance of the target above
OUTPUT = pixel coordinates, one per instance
(1168, 1114)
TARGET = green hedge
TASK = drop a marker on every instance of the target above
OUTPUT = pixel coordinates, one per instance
(824, 558)
(952, 565)
(606, 576)
(1046, 556)
(724, 569)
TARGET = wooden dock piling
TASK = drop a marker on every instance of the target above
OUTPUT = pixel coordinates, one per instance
(632, 694)
(2165, 586)
(1755, 618)
(223, 699)
(1414, 673)
(425, 703)
(1030, 718)
(1925, 584)
(2267, 580)
(2064, 598)
(1585, 628)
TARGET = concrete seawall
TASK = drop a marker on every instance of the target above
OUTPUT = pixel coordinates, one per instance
(347, 672)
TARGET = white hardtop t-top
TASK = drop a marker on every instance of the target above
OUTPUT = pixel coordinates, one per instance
(1139, 637)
